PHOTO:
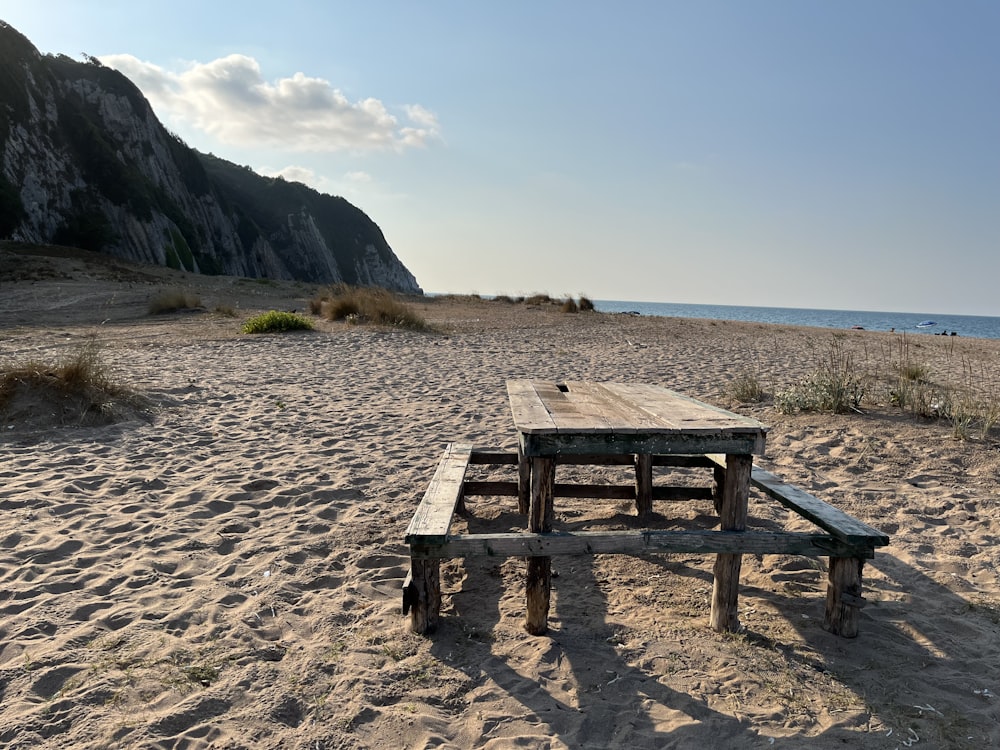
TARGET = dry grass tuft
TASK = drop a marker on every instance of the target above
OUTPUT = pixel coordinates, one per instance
(367, 305)
(78, 389)
(173, 300)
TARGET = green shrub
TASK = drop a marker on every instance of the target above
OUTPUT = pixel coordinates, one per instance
(837, 386)
(276, 322)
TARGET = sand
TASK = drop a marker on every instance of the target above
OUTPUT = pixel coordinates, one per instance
(221, 568)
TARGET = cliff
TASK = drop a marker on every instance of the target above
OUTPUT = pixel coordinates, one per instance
(85, 162)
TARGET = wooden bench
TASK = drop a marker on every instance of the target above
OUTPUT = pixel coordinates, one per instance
(843, 538)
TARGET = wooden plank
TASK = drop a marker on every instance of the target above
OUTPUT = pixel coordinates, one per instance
(569, 413)
(640, 542)
(490, 489)
(627, 459)
(492, 456)
(530, 414)
(595, 402)
(662, 443)
(687, 415)
(474, 488)
(432, 519)
(826, 516)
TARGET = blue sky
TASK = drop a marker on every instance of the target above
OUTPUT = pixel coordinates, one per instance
(782, 153)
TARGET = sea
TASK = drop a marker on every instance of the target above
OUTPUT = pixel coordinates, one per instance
(962, 325)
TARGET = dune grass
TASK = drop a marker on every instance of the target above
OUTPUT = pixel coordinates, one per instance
(367, 305)
(78, 388)
(963, 393)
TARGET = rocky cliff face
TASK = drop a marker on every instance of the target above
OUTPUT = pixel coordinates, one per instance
(85, 162)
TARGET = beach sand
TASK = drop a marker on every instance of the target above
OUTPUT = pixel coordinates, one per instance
(222, 568)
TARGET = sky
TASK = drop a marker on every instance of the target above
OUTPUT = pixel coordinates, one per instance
(785, 153)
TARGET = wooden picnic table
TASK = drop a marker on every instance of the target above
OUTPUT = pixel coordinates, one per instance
(592, 421)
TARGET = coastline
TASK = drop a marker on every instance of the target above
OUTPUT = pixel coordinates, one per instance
(225, 571)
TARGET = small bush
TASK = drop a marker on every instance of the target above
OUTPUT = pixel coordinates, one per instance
(586, 304)
(569, 306)
(746, 387)
(276, 322)
(368, 305)
(173, 300)
(821, 392)
(837, 386)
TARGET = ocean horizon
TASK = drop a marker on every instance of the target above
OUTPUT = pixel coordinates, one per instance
(976, 326)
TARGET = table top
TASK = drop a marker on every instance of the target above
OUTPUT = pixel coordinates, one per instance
(577, 416)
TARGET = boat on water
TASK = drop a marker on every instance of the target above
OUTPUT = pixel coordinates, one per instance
(926, 324)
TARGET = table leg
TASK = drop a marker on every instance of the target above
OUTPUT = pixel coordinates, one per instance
(732, 517)
(523, 481)
(643, 484)
(540, 513)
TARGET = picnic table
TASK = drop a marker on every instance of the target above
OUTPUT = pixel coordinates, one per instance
(585, 419)
(642, 426)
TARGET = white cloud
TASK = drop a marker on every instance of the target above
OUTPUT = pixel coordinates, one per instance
(229, 99)
(294, 173)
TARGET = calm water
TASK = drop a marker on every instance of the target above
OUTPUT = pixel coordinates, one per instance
(964, 325)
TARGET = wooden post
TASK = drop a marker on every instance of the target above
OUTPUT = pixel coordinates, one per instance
(719, 476)
(523, 481)
(539, 578)
(643, 484)
(422, 594)
(843, 596)
(732, 517)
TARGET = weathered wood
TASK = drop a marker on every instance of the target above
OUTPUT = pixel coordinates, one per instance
(527, 408)
(585, 443)
(726, 571)
(594, 491)
(523, 481)
(643, 485)
(422, 593)
(718, 482)
(432, 519)
(627, 410)
(843, 596)
(824, 515)
(490, 489)
(641, 542)
(699, 460)
(492, 457)
(538, 581)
